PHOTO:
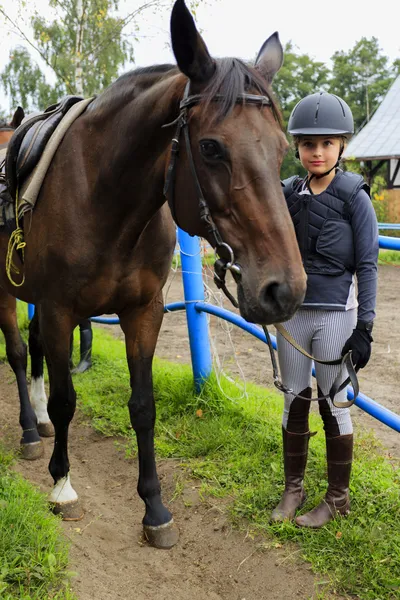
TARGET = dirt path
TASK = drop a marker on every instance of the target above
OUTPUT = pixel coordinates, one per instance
(210, 562)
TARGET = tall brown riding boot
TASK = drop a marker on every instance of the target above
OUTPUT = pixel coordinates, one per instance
(295, 450)
(339, 453)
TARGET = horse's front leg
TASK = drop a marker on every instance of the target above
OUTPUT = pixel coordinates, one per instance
(31, 444)
(141, 327)
(56, 329)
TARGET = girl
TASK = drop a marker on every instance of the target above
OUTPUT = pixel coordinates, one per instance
(337, 233)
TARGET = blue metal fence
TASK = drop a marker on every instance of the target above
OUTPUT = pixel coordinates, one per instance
(196, 308)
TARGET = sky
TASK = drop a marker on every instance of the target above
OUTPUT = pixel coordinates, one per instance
(239, 28)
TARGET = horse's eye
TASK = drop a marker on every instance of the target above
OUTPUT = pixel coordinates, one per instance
(211, 149)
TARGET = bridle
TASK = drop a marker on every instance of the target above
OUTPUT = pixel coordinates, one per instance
(226, 261)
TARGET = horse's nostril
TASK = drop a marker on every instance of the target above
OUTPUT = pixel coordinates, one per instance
(280, 296)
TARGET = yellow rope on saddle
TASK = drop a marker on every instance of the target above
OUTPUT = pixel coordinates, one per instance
(16, 242)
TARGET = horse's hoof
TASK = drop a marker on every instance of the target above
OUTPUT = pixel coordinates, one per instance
(163, 536)
(32, 451)
(70, 511)
(46, 429)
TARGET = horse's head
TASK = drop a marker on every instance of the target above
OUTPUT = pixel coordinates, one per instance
(230, 156)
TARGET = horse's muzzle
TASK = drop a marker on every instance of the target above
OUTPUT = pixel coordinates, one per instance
(276, 302)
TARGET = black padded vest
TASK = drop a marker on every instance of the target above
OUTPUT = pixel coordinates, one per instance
(322, 222)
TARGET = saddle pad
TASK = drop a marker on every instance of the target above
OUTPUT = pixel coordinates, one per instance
(31, 188)
(19, 134)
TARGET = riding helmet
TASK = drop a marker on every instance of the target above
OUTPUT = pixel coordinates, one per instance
(321, 114)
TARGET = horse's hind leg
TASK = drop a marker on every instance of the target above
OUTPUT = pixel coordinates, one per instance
(55, 331)
(31, 444)
(141, 327)
(37, 392)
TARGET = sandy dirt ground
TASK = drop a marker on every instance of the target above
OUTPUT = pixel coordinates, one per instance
(211, 561)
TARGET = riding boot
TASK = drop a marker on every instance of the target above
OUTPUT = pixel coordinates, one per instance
(86, 337)
(339, 452)
(295, 450)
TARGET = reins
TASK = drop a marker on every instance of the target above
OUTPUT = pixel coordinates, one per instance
(226, 261)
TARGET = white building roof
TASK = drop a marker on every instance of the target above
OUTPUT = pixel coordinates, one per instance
(380, 137)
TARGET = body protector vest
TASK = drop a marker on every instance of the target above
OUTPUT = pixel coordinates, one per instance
(322, 222)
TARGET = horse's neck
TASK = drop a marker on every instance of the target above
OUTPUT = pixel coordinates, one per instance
(138, 166)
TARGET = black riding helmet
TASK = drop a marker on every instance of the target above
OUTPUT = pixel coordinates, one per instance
(321, 114)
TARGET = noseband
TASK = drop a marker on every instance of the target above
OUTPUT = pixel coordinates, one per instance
(226, 261)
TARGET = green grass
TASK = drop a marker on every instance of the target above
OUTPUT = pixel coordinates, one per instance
(389, 257)
(234, 447)
(33, 553)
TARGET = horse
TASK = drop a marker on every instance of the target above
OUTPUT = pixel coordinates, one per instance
(199, 144)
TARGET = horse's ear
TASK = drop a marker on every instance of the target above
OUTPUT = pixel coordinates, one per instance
(270, 57)
(17, 118)
(189, 48)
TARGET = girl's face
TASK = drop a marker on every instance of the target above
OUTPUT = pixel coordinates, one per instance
(319, 154)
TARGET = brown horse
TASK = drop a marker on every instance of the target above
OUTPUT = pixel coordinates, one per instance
(101, 237)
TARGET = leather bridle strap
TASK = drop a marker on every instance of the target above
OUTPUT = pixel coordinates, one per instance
(227, 257)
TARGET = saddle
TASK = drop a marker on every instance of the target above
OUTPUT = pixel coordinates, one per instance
(29, 140)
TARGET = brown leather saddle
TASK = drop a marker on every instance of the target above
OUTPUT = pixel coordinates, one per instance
(29, 140)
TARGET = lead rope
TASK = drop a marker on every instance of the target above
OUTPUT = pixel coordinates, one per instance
(345, 361)
(16, 242)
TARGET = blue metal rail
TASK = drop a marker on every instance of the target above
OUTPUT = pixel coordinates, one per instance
(198, 333)
(389, 243)
(393, 226)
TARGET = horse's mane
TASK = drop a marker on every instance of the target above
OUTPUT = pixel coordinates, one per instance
(232, 78)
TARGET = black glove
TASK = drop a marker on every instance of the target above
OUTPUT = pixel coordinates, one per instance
(360, 344)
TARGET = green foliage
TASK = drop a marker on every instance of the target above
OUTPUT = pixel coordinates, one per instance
(104, 48)
(362, 77)
(389, 257)
(234, 447)
(33, 555)
(85, 46)
(299, 76)
(25, 83)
